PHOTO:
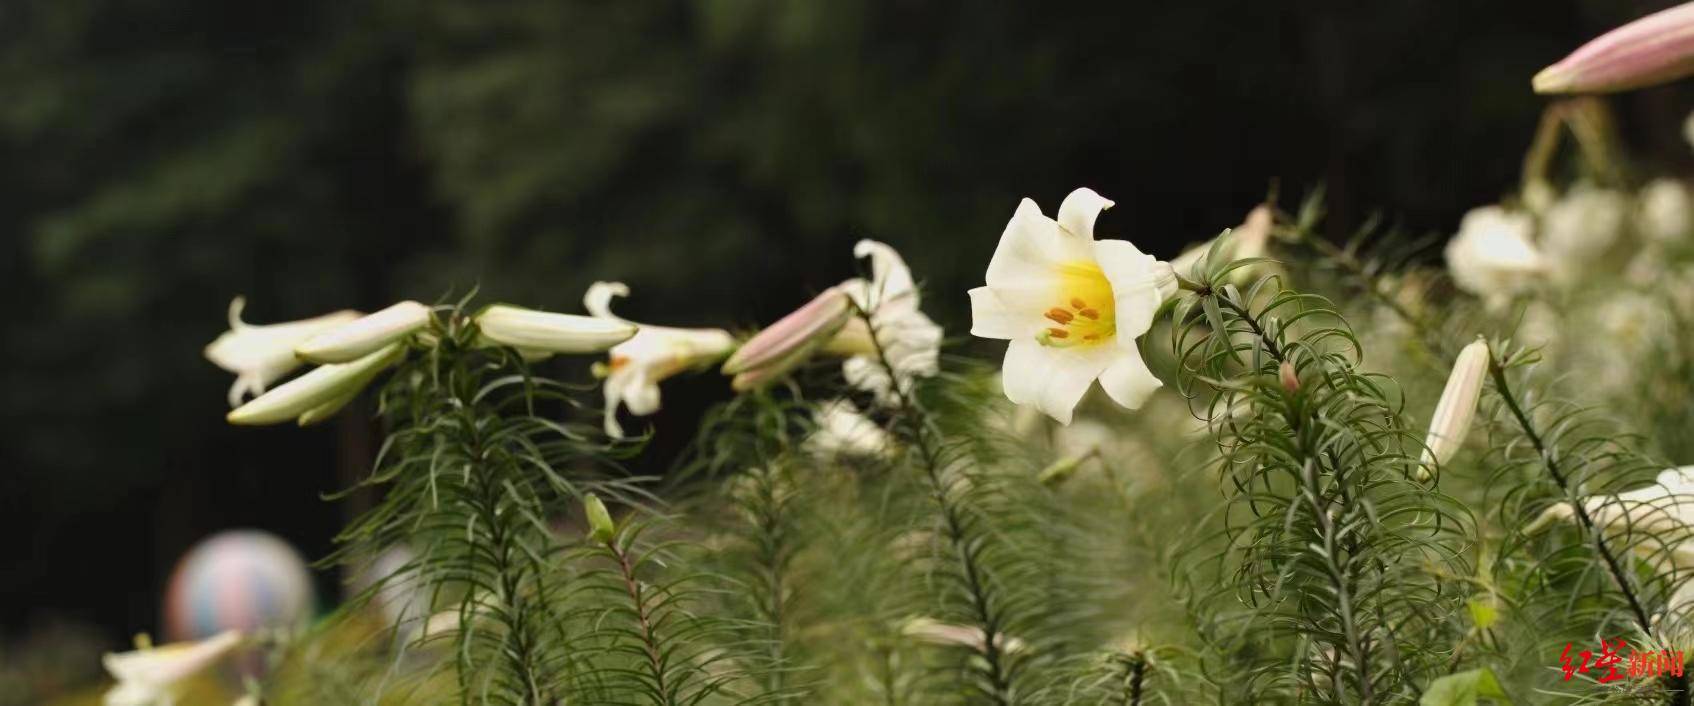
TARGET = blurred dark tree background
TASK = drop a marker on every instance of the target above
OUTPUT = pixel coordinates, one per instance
(721, 156)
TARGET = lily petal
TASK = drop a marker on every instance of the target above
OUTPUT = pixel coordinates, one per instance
(1030, 247)
(357, 339)
(317, 388)
(1134, 276)
(1052, 379)
(1079, 210)
(1127, 380)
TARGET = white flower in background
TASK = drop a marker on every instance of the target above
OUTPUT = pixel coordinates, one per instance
(261, 355)
(636, 366)
(1492, 256)
(1071, 306)
(907, 336)
(842, 431)
(1663, 211)
(537, 334)
(151, 676)
(1580, 227)
(319, 393)
(936, 632)
(1451, 421)
(1663, 509)
(357, 339)
(1249, 240)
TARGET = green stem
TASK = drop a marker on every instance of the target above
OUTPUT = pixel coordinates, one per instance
(644, 620)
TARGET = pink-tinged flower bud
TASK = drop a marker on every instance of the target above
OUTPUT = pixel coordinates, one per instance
(1290, 379)
(786, 344)
(1654, 49)
(1453, 414)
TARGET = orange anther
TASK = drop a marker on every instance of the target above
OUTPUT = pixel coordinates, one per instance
(1089, 314)
(1078, 303)
(1058, 333)
(1059, 316)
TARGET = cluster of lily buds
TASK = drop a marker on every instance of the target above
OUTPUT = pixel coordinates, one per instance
(1655, 49)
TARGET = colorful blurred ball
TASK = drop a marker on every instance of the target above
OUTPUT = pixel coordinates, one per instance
(238, 580)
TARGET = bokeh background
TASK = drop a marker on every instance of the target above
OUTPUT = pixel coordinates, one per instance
(719, 156)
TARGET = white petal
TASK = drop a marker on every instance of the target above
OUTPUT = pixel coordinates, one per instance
(546, 331)
(316, 388)
(614, 395)
(1030, 247)
(992, 316)
(1135, 285)
(359, 338)
(598, 299)
(1128, 381)
(890, 278)
(1079, 210)
(1053, 379)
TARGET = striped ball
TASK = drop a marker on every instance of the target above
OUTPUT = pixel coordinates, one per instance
(237, 580)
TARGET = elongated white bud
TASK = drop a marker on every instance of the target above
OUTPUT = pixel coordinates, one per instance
(363, 336)
(790, 341)
(326, 384)
(534, 331)
(1453, 414)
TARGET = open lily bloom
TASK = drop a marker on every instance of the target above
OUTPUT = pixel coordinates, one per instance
(1071, 306)
(907, 336)
(843, 431)
(150, 676)
(1664, 508)
(261, 355)
(1492, 256)
(637, 365)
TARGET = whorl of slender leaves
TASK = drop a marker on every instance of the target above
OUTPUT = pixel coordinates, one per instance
(474, 467)
(1328, 542)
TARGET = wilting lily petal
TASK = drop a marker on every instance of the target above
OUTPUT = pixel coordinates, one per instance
(909, 339)
(638, 365)
(792, 340)
(360, 338)
(1071, 306)
(1453, 414)
(323, 386)
(150, 676)
(261, 355)
(1655, 49)
(541, 331)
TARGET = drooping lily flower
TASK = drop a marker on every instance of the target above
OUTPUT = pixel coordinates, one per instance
(1664, 510)
(1655, 49)
(1071, 306)
(152, 676)
(357, 339)
(311, 397)
(903, 333)
(1492, 256)
(261, 355)
(842, 431)
(791, 341)
(637, 365)
(540, 332)
(1451, 421)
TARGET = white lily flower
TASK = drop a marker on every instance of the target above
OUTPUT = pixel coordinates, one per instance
(357, 339)
(310, 397)
(1451, 421)
(637, 365)
(1664, 211)
(936, 632)
(151, 676)
(1580, 227)
(1071, 306)
(907, 336)
(539, 332)
(261, 355)
(843, 431)
(1667, 505)
(1492, 256)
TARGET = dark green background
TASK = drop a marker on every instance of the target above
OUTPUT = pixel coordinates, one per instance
(720, 156)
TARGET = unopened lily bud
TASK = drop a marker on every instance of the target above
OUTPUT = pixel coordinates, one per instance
(545, 332)
(600, 526)
(317, 389)
(360, 337)
(1288, 377)
(786, 344)
(1453, 414)
(1655, 49)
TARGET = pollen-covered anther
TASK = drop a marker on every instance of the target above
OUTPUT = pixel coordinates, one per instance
(1060, 316)
(1058, 333)
(1090, 314)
